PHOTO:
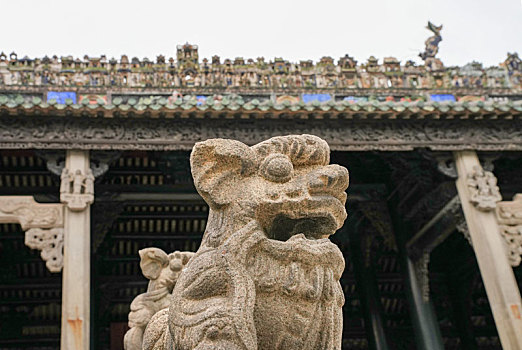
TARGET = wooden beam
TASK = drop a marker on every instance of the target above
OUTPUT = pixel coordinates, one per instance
(478, 194)
(435, 231)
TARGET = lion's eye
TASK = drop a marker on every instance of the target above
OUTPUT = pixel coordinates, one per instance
(277, 168)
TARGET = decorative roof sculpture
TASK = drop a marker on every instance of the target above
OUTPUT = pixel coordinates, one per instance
(187, 71)
(432, 48)
(98, 81)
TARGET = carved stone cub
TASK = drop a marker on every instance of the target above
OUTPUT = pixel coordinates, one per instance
(266, 276)
(163, 271)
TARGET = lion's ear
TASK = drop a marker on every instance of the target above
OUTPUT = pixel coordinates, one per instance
(217, 164)
(153, 260)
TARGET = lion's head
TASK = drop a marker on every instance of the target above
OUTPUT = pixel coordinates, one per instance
(284, 183)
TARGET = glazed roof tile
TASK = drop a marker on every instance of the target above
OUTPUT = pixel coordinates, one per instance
(189, 105)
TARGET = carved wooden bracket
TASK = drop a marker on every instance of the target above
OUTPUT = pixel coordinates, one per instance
(485, 195)
(509, 217)
(43, 224)
(483, 189)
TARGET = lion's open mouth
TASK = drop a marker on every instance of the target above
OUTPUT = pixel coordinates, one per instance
(313, 217)
(284, 227)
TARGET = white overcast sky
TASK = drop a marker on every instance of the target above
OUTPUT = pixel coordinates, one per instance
(482, 30)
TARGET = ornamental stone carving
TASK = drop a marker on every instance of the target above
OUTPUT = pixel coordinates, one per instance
(43, 222)
(484, 192)
(266, 275)
(29, 213)
(509, 216)
(162, 270)
(77, 189)
(50, 243)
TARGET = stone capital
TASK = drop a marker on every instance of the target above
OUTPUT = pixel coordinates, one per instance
(77, 188)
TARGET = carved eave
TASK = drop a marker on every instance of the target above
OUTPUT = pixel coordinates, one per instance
(358, 127)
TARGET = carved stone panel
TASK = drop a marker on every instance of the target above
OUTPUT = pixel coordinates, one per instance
(29, 213)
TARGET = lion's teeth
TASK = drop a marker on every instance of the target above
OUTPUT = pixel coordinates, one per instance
(297, 237)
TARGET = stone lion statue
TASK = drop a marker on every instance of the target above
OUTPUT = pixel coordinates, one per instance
(266, 276)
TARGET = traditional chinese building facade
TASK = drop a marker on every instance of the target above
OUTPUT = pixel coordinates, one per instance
(94, 167)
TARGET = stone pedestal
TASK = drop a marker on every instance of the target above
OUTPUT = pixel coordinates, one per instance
(479, 194)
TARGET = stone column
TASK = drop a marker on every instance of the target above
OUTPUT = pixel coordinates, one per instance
(479, 196)
(77, 193)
